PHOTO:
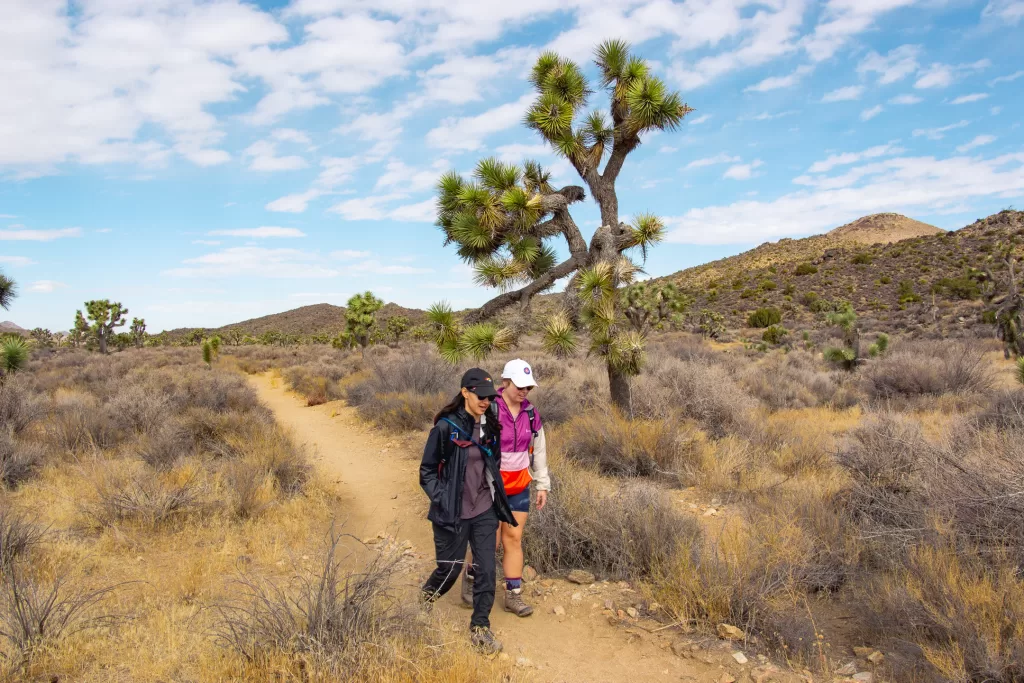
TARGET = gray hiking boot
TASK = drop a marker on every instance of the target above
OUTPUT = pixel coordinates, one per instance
(515, 604)
(467, 589)
(483, 640)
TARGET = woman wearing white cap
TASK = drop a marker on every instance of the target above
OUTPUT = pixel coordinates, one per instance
(523, 460)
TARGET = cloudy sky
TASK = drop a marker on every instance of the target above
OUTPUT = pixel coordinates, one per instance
(205, 161)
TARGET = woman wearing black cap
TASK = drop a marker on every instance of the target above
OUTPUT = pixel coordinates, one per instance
(461, 474)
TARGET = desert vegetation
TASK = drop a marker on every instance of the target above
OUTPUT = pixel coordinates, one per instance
(157, 524)
(816, 506)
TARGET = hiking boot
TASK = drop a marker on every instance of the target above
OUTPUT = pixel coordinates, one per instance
(515, 604)
(467, 589)
(427, 600)
(483, 640)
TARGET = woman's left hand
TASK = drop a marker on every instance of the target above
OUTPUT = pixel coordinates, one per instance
(542, 500)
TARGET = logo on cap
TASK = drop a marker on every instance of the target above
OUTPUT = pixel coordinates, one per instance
(526, 371)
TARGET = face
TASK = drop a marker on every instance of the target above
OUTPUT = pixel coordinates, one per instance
(475, 405)
(513, 393)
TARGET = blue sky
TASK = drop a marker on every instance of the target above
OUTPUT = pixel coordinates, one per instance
(209, 161)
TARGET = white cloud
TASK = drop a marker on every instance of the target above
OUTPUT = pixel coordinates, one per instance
(845, 94)
(699, 120)
(853, 157)
(667, 149)
(1008, 11)
(374, 208)
(421, 212)
(939, 133)
(517, 152)
(262, 156)
(976, 142)
(779, 82)
(742, 171)
(16, 261)
(259, 233)
(974, 97)
(1006, 79)
(894, 66)
(255, 261)
(767, 116)
(398, 175)
(19, 233)
(375, 267)
(7, 215)
(345, 254)
(208, 243)
(871, 113)
(45, 286)
(290, 135)
(906, 184)
(293, 203)
(462, 78)
(721, 158)
(942, 75)
(468, 133)
(843, 19)
(906, 99)
(995, 111)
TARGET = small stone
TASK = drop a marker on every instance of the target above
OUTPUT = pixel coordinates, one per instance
(608, 604)
(523, 663)
(710, 512)
(693, 506)
(730, 632)
(529, 573)
(739, 657)
(727, 678)
(847, 669)
(876, 657)
(864, 677)
(631, 611)
(864, 652)
(620, 614)
(653, 607)
(577, 597)
(716, 501)
(394, 497)
(547, 583)
(558, 610)
(613, 620)
(580, 576)
(681, 649)
(622, 584)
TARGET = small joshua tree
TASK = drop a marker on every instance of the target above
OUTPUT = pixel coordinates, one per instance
(208, 353)
(78, 334)
(138, 332)
(105, 316)
(396, 327)
(711, 324)
(648, 306)
(360, 317)
(1005, 296)
(43, 337)
(847, 356)
(503, 218)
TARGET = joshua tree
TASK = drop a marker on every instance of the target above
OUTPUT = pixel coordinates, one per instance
(42, 337)
(710, 324)
(504, 217)
(8, 292)
(138, 331)
(78, 333)
(396, 327)
(648, 306)
(1005, 295)
(105, 316)
(360, 317)
(849, 355)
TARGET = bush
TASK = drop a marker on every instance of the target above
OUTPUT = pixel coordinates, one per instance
(138, 409)
(19, 460)
(1006, 411)
(906, 292)
(403, 411)
(805, 269)
(961, 287)
(18, 535)
(862, 259)
(637, 533)
(764, 317)
(929, 368)
(80, 424)
(134, 496)
(775, 334)
(19, 406)
(795, 380)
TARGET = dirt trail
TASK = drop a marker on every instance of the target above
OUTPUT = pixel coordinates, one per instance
(376, 476)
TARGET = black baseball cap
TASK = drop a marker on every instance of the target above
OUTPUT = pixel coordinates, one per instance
(479, 382)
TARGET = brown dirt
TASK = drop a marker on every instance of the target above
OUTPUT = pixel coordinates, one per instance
(376, 476)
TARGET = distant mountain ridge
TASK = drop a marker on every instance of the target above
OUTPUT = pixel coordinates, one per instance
(7, 327)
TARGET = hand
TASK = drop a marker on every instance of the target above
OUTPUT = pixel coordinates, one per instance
(542, 500)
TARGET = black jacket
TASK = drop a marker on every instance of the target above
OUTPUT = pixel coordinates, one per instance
(443, 471)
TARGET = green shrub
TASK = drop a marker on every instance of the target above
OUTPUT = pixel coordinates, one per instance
(806, 269)
(906, 292)
(775, 334)
(789, 289)
(988, 317)
(1020, 370)
(738, 283)
(880, 345)
(884, 280)
(767, 285)
(764, 317)
(961, 287)
(747, 293)
(862, 259)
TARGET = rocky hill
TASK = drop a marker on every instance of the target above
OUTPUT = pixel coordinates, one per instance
(7, 327)
(898, 273)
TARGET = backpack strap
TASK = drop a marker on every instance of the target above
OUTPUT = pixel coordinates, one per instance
(465, 443)
(531, 414)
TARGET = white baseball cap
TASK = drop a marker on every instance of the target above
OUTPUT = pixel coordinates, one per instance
(520, 372)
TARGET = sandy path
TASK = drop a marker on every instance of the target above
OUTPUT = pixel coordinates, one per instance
(377, 479)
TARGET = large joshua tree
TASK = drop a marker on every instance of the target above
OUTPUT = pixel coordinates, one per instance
(105, 316)
(505, 218)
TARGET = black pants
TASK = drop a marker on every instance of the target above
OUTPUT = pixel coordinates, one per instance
(450, 549)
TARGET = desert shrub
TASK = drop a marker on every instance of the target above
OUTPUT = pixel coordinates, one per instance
(616, 445)
(767, 285)
(583, 388)
(165, 447)
(1006, 411)
(135, 496)
(705, 393)
(271, 452)
(325, 614)
(764, 317)
(403, 411)
(775, 334)
(217, 391)
(862, 259)
(637, 534)
(929, 368)
(19, 459)
(906, 292)
(19, 405)
(403, 388)
(966, 618)
(18, 534)
(795, 380)
(138, 409)
(318, 382)
(251, 488)
(805, 269)
(961, 287)
(80, 424)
